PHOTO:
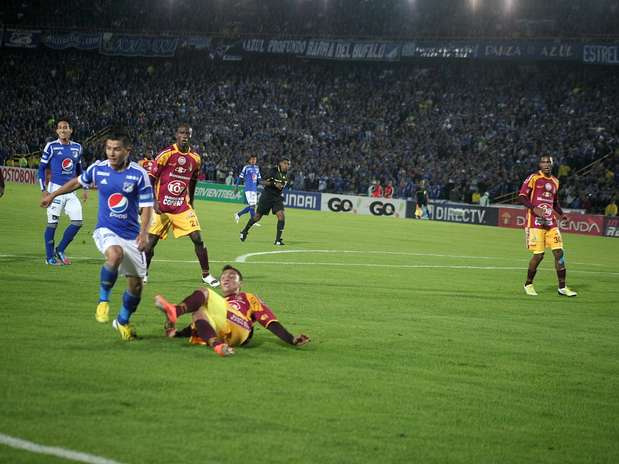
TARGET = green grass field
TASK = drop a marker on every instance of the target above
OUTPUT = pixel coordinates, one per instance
(424, 348)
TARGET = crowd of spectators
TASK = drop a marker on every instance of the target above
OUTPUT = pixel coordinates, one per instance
(359, 18)
(465, 128)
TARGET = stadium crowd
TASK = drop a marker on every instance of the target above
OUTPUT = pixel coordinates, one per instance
(360, 18)
(463, 127)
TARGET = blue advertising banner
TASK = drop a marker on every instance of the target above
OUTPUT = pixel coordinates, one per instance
(21, 38)
(352, 50)
(530, 50)
(138, 45)
(196, 42)
(440, 49)
(79, 40)
(600, 54)
(303, 200)
(327, 49)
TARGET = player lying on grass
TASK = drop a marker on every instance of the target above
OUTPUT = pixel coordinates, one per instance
(224, 322)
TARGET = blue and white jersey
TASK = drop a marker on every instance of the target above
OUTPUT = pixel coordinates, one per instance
(63, 160)
(121, 195)
(251, 176)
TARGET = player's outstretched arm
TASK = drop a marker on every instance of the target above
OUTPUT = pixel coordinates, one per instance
(276, 328)
(69, 187)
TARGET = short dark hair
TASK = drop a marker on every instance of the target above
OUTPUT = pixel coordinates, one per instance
(183, 124)
(285, 158)
(546, 156)
(64, 119)
(250, 156)
(228, 267)
(118, 133)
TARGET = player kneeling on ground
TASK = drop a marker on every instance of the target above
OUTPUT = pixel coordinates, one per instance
(224, 322)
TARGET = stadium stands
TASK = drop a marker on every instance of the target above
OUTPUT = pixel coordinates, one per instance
(464, 127)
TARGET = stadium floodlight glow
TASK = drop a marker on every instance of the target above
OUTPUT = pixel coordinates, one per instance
(509, 6)
(474, 4)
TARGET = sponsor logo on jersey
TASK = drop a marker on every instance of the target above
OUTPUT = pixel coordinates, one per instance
(176, 187)
(67, 165)
(117, 203)
(172, 201)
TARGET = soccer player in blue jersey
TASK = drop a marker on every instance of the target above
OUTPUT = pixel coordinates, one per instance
(63, 157)
(121, 234)
(250, 175)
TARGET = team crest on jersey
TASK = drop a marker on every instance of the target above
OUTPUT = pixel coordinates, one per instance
(128, 187)
(117, 203)
(181, 160)
(548, 186)
(67, 165)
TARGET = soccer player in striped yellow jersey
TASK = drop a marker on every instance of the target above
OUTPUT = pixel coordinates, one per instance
(174, 174)
(224, 322)
(540, 195)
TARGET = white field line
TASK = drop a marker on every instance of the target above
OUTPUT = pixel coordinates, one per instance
(243, 260)
(53, 451)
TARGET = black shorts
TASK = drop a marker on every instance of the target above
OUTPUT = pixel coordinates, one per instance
(268, 203)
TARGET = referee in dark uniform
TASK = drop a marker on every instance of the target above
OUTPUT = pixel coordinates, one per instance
(272, 200)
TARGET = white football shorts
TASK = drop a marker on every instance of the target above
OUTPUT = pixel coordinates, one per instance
(134, 260)
(69, 203)
(251, 198)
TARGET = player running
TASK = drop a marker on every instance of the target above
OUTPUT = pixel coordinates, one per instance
(174, 175)
(63, 157)
(272, 200)
(124, 188)
(540, 195)
(250, 175)
(223, 323)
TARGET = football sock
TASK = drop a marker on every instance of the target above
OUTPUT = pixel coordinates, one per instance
(68, 236)
(280, 230)
(191, 304)
(205, 331)
(108, 279)
(247, 209)
(50, 231)
(202, 254)
(252, 211)
(561, 275)
(130, 304)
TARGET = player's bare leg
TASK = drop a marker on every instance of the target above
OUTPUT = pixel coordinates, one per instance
(150, 252)
(561, 273)
(281, 223)
(536, 259)
(202, 254)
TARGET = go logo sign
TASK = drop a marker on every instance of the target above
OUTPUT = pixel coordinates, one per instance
(339, 205)
(378, 208)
